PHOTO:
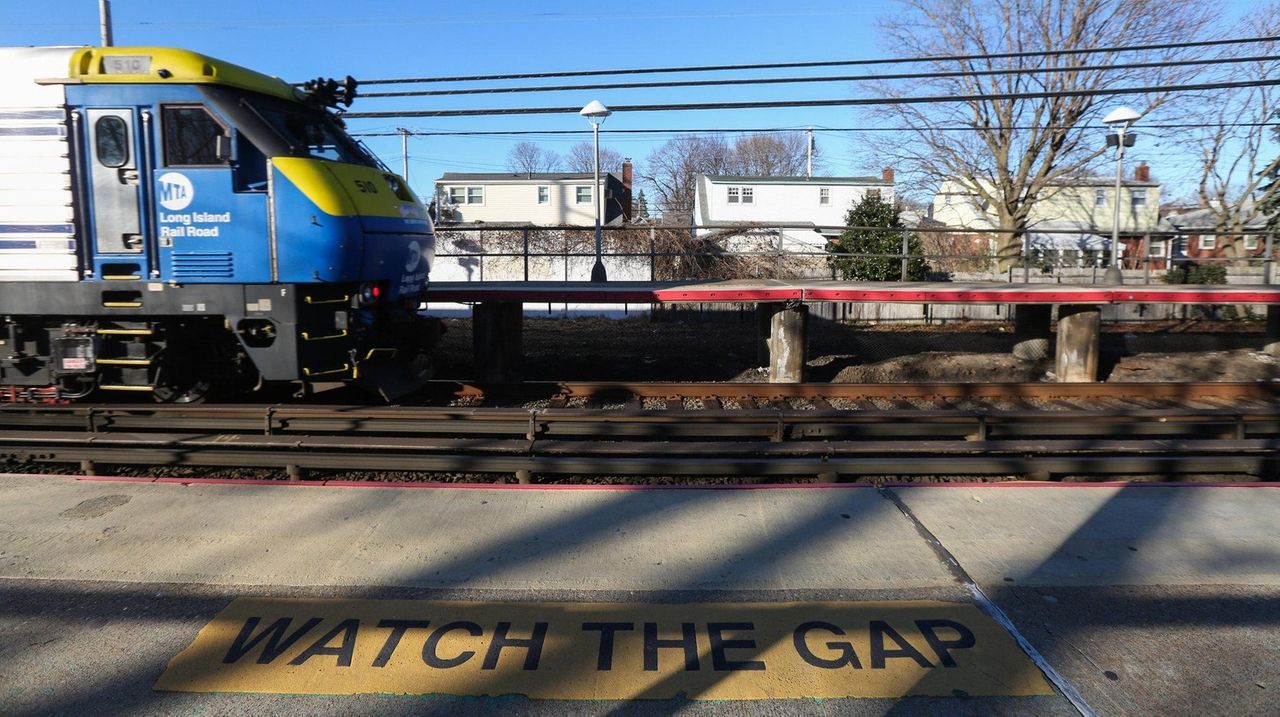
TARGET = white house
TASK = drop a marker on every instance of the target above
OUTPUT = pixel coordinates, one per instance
(795, 214)
(542, 198)
(724, 201)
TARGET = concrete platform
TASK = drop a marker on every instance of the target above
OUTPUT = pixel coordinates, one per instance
(1133, 599)
(818, 290)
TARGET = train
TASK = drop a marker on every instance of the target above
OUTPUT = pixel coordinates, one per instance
(175, 225)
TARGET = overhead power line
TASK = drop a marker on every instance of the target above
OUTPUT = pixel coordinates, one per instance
(762, 130)
(826, 78)
(843, 102)
(822, 63)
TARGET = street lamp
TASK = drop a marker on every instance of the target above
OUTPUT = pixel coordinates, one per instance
(1120, 118)
(595, 112)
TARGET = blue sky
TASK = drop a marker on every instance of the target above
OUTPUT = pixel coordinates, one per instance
(377, 39)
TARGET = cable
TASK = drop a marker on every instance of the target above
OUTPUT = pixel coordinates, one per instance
(764, 130)
(852, 102)
(800, 80)
(822, 63)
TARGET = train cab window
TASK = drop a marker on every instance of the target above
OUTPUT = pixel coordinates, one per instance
(193, 138)
(111, 141)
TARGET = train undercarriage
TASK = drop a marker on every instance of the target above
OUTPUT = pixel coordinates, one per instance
(314, 335)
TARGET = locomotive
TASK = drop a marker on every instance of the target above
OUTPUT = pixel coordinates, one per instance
(176, 225)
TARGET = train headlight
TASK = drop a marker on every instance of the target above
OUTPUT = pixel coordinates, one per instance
(370, 293)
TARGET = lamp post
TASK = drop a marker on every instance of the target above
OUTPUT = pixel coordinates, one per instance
(595, 112)
(1120, 118)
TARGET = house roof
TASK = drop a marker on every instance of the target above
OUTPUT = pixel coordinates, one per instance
(962, 191)
(521, 177)
(739, 179)
(1205, 219)
(1101, 182)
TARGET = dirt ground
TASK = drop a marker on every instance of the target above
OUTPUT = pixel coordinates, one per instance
(683, 348)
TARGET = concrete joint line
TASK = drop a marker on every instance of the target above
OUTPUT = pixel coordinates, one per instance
(986, 605)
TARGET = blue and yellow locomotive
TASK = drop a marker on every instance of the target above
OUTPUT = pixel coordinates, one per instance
(171, 224)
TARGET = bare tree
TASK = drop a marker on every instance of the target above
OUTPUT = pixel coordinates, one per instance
(771, 154)
(581, 158)
(672, 168)
(1238, 150)
(526, 157)
(1020, 148)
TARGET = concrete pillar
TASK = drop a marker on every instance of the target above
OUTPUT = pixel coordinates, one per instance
(1032, 327)
(789, 331)
(1079, 331)
(1272, 345)
(496, 340)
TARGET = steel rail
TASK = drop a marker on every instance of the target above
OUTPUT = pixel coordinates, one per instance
(772, 441)
(916, 458)
(768, 424)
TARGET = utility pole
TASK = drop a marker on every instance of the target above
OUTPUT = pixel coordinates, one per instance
(104, 22)
(404, 153)
(809, 146)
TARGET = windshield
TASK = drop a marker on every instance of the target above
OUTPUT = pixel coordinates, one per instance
(288, 129)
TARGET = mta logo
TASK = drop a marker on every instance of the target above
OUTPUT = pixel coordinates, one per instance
(174, 191)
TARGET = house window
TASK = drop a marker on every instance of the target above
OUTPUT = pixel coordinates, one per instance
(824, 195)
(1208, 242)
(1251, 242)
(748, 195)
(544, 195)
(1138, 198)
(1099, 197)
(733, 195)
(583, 195)
(466, 195)
(876, 193)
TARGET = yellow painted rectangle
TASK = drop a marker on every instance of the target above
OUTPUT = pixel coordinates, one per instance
(607, 651)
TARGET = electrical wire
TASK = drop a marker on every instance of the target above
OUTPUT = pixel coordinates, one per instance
(827, 78)
(824, 63)
(843, 102)
(769, 130)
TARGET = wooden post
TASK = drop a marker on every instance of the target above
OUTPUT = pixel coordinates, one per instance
(1032, 327)
(496, 340)
(789, 329)
(1079, 331)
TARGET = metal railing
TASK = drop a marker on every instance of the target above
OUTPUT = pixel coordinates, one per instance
(665, 252)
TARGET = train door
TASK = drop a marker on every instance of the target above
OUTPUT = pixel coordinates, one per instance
(115, 166)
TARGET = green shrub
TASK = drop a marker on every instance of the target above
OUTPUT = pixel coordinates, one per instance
(874, 212)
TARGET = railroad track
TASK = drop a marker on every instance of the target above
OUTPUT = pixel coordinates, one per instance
(751, 431)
